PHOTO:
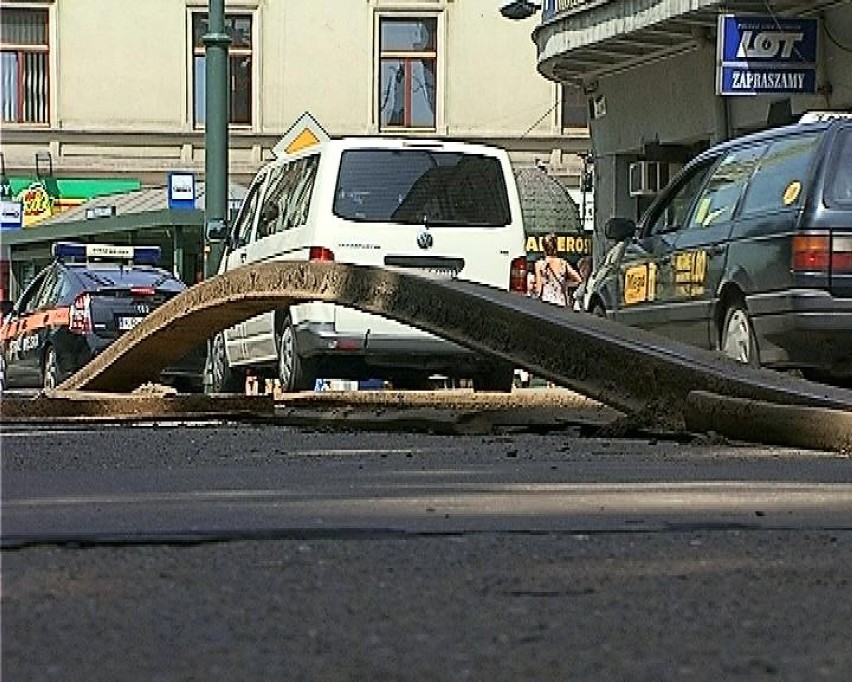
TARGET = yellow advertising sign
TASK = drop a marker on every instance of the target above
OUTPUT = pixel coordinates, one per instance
(640, 284)
(690, 273)
(792, 192)
(37, 204)
(567, 244)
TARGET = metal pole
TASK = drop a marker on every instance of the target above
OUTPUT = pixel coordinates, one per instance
(216, 43)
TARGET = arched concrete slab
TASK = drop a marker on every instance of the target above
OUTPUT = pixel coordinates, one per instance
(627, 368)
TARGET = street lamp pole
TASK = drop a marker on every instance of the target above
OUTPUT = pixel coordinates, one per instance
(216, 42)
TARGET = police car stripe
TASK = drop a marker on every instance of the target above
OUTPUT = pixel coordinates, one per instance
(55, 317)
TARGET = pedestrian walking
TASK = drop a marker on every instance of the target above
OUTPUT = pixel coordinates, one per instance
(555, 279)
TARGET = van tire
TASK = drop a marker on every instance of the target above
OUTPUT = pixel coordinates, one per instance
(737, 338)
(224, 378)
(500, 379)
(294, 372)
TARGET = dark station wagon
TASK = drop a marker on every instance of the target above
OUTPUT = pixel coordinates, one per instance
(747, 251)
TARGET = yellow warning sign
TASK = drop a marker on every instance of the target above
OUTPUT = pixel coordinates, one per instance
(304, 139)
(303, 134)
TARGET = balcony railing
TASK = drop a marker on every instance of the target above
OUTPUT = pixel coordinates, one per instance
(553, 7)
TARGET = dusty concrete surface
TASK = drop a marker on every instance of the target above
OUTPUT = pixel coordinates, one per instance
(623, 367)
(626, 368)
(791, 425)
(80, 405)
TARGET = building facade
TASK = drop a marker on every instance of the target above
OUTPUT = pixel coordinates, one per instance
(649, 69)
(116, 87)
(102, 93)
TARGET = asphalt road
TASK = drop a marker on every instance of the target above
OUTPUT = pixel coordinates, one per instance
(220, 552)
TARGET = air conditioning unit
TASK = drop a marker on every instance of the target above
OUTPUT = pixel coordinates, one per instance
(648, 178)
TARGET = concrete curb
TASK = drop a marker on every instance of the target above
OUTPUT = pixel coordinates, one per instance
(64, 406)
(757, 421)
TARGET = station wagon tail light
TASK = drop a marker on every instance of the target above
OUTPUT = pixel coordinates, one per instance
(518, 274)
(841, 255)
(320, 253)
(811, 252)
(80, 315)
(142, 291)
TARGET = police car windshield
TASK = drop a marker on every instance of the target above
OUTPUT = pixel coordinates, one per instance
(113, 275)
(417, 186)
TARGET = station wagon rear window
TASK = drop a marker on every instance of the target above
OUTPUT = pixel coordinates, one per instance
(421, 186)
(840, 190)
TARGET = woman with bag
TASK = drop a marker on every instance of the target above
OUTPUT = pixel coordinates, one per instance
(554, 276)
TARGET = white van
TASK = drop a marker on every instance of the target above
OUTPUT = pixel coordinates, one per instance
(426, 206)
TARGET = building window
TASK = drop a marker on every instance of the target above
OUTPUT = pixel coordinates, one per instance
(238, 27)
(25, 66)
(575, 108)
(408, 61)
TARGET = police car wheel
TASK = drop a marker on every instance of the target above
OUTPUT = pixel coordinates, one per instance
(50, 371)
(499, 379)
(738, 340)
(224, 378)
(294, 373)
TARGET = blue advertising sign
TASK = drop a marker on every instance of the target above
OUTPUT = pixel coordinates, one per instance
(759, 55)
(11, 215)
(181, 190)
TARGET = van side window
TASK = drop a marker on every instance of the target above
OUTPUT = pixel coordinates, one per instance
(245, 218)
(779, 178)
(300, 198)
(719, 199)
(841, 188)
(671, 214)
(271, 210)
(286, 202)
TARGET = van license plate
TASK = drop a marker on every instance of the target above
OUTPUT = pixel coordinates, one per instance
(126, 323)
(432, 273)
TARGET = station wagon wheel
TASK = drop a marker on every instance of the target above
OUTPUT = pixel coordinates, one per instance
(225, 378)
(294, 373)
(50, 370)
(738, 341)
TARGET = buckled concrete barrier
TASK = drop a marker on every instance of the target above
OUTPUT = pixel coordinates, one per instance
(629, 369)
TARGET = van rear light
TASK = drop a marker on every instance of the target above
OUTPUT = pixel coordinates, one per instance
(320, 253)
(142, 291)
(811, 252)
(80, 315)
(518, 274)
(841, 256)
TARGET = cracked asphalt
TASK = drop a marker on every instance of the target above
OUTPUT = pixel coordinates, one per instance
(242, 551)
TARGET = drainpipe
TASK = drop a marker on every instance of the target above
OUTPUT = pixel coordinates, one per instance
(721, 119)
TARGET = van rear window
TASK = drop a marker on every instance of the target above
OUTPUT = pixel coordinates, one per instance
(421, 186)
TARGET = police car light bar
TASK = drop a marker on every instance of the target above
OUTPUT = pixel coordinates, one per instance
(140, 255)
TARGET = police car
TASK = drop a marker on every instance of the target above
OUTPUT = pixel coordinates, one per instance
(75, 307)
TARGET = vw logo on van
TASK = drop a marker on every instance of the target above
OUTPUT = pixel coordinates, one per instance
(424, 240)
